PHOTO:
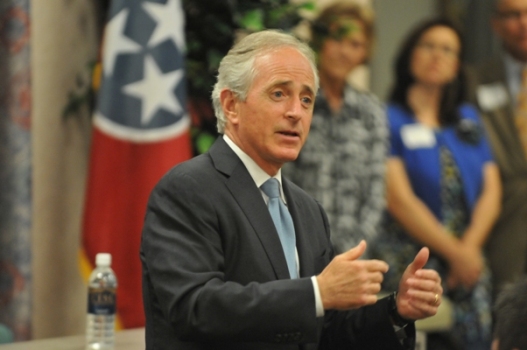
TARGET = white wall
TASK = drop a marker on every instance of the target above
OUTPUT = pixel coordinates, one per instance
(394, 19)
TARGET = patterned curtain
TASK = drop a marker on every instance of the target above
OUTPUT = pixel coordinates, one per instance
(15, 172)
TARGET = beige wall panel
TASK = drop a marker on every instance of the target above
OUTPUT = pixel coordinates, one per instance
(63, 43)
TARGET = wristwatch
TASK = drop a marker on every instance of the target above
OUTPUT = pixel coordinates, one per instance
(397, 319)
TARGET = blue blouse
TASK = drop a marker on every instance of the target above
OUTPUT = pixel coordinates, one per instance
(418, 146)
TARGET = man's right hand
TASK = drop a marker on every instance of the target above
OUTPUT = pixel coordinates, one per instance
(348, 283)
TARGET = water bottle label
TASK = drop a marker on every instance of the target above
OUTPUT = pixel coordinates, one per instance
(101, 301)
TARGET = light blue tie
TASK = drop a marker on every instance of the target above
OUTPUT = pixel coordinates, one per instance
(283, 222)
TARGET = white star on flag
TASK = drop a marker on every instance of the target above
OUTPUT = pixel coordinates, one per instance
(115, 42)
(155, 90)
(170, 20)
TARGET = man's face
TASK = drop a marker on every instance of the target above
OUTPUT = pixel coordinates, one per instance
(272, 124)
(510, 24)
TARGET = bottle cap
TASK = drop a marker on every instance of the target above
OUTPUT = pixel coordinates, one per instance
(103, 259)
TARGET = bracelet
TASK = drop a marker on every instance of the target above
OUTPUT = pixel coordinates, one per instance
(397, 319)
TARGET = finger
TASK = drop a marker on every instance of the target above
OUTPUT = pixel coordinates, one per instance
(428, 274)
(369, 299)
(420, 260)
(376, 266)
(424, 306)
(355, 252)
(376, 277)
(420, 284)
(373, 288)
(426, 296)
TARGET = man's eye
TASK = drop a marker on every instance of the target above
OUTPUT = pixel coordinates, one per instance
(278, 94)
(307, 100)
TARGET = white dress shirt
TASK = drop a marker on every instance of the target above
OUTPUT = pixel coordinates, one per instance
(260, 176)
(513, 71)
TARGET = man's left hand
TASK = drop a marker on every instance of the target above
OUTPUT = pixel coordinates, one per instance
(420, 290)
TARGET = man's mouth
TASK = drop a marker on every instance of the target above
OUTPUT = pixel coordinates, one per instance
(289, 133)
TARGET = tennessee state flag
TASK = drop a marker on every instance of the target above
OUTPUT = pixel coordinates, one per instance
(140, 131)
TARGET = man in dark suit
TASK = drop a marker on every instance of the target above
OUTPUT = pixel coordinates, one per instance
(215, 274)
(496, 86)
(511, 317)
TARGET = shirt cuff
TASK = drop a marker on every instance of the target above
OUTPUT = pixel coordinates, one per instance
(318, 300)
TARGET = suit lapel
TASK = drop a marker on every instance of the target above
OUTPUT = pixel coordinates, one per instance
(251, 203)
(501, 129)
(500, 124)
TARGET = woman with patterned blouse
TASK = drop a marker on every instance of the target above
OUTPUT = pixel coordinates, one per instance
(342, 163)
(443, 187)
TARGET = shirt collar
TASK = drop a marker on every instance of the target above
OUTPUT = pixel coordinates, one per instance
(258, 175)
(513, 71)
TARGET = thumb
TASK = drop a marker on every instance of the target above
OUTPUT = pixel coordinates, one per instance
(420, 260)
(356, 252)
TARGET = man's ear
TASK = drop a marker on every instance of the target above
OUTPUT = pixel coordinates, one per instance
(229, 102)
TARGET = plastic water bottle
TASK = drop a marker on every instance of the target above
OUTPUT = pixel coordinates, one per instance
(102, 288)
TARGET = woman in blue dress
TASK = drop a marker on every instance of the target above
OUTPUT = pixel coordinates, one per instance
(443, 187)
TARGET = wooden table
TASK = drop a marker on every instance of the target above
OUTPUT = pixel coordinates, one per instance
(130, 339)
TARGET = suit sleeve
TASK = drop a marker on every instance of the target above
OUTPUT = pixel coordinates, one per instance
(367, 328)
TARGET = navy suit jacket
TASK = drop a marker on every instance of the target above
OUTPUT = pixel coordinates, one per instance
(215, 276)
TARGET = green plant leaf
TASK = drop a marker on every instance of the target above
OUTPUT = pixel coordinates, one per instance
(253, 20)
(204, 141)
(310, 6)
(214, 57)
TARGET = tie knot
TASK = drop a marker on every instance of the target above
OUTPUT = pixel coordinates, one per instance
(271, 188)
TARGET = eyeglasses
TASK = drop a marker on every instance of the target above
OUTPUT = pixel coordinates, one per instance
(445, 50)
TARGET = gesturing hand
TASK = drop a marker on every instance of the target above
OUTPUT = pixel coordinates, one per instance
(348, 283)
(420, 289)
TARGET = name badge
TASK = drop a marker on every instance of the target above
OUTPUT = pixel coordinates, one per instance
(418, 136)
(492, 96)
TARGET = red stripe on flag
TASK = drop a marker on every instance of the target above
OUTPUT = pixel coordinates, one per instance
(121, 177)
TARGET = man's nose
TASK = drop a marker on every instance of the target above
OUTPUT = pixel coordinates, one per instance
(295, 109)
